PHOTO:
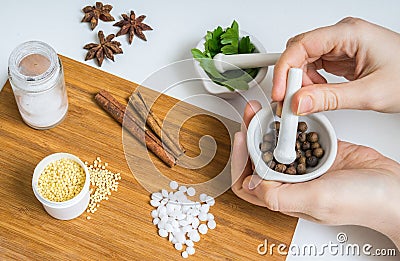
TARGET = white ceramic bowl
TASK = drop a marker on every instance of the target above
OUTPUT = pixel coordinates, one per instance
(68, 209)
(261, 124)
(222, 91)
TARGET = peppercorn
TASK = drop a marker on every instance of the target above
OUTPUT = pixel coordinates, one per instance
(302, 137)
(291, 171)
(267, 156)
(312, 137)
(312, 161)
(302, 126)
(265, 146)
(315, 145)
(280, 167)
(308, 153)
(305, 145)
(318, 152)
(302, 160)
(301, 169)
(269, 137)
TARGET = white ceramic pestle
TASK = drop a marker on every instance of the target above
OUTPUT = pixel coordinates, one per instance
(285, 149)
(225, 63)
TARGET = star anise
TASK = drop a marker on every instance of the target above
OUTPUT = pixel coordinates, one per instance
(93, 13)
(106, 47)
(133, 26)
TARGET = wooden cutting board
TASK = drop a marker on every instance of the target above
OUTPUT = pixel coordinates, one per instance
(122, 227)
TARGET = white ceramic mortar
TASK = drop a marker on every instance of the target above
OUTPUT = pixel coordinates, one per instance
(261, 124)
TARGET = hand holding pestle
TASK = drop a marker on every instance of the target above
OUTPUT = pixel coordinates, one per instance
(285, 149)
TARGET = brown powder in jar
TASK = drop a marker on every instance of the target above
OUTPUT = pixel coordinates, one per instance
(34, 65)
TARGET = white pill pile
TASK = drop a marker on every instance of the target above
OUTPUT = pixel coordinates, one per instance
(181, 219)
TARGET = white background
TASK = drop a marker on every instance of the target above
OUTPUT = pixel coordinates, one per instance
(178, 26)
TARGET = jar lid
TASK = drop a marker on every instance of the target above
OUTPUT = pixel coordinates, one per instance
(32, 63)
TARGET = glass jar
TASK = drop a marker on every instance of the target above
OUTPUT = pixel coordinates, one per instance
(37, 79)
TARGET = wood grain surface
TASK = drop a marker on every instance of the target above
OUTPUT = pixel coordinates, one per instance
(122, 227)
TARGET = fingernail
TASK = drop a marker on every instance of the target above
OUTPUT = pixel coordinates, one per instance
(279, 109)
(254, 181)
(305, 105)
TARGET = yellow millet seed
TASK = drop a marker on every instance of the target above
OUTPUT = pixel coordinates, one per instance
(103, 182)
(61, 180)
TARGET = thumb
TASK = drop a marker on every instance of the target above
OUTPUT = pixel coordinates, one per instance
(287, 198)
(326, 97)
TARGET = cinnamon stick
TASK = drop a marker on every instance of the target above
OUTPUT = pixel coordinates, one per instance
(159, 123)
(155, 124)
(121, 108)
(117, 111)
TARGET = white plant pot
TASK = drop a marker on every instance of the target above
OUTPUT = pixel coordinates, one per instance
(221, 91)
(69, 209)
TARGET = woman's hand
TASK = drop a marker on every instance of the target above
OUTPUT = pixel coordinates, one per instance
(365, 54)
(361, 188)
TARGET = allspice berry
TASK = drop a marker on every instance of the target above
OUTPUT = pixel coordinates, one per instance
(308, 150)
(312, 137)
(305, 145)
(302, 160)
(267, 156)
(280, 167)
(318, 152)
(301, 169)
(291, 171)
(269, 137)
(312, 161)
(315, 145)
(272, 164)
(298, 154)
(302, 137)
(302, 126)
(276, 125)
(265, 146)
(293, 164)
